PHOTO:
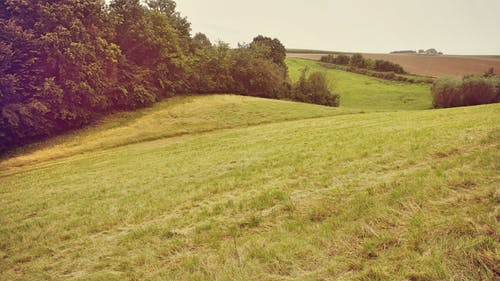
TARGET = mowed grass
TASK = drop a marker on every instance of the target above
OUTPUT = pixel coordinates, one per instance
(364, 92)
(173, 117)
(409, 195)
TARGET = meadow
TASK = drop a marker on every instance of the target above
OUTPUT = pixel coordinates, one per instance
(173, 117)
(225, 187)
(133, 149)
(289, 191)
(364, 92)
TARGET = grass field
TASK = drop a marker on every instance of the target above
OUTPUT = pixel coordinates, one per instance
(174, 117)
(364, 92)
(427, 65)
(282, 191)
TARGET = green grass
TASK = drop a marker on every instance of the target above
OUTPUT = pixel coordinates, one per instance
(364, 92)
(410, 195)
(173, 117)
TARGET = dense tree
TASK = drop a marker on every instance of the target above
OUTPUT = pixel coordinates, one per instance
(167, 8)
(61, 70)
(64, 63)
(200, 40)
(255, 74)
(273, 49)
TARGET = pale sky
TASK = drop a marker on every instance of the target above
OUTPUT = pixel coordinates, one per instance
(378, 26)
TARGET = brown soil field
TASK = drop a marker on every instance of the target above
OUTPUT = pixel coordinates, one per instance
(430, 65)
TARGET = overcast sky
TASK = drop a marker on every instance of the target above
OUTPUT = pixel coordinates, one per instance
(380, 26)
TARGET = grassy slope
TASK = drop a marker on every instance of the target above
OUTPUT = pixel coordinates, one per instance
(359, 91)
(173, 117)
(388, 196)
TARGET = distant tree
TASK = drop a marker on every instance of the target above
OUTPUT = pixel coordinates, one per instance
(201, 40)
(328, 58)
(431, 51)
(314, 89)
(387, 66)
(358, 61)
(421, 51)
(342, 59)
(276, 51)
(339, 59)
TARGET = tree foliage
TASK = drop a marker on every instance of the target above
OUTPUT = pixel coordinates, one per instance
(272, 49)
(339, 59)
(357, 61)
(64, 63)
(315, 88)
(470, 90)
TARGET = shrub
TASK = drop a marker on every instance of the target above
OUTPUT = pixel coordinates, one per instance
(315, 89)
(328, 58)
(387, 66)
(358, 61)
(446, 92)
(340, 59)
(478, 90)
(471, 90)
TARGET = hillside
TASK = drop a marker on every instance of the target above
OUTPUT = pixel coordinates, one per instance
(409, 195)
(173, 117)
(429, 65)
(364, 92)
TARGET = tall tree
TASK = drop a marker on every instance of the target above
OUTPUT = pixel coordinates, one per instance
(275, 50)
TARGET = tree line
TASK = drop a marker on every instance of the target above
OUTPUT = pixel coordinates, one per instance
(64, 63)
(359, 62)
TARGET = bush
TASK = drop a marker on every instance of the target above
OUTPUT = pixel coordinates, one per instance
(387, 66)
(315, 89)
(479, 90)
(328, 58)
(340, 59)
(358, 61)
(446, 92)
(471, 90)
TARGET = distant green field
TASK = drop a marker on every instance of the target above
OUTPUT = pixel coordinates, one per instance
(410, 195)
(364, 92)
